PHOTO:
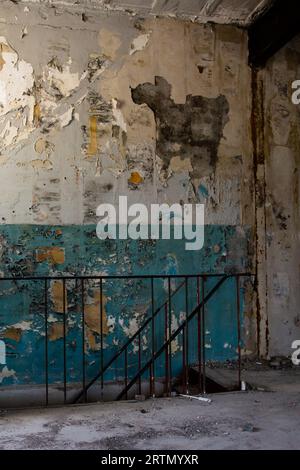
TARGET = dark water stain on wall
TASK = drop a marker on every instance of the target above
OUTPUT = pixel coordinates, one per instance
(192, 130)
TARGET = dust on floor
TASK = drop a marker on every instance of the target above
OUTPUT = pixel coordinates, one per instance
(244, 420)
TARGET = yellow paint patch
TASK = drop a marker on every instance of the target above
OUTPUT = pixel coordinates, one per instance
(37, 114)
(93, 144)
(135, 178)
(40, 146)
(4, 48)
(54, 255)
(92, 315)
(91, 340)
(13, 333)
(2, 62)
(56, 331)
(57, 297)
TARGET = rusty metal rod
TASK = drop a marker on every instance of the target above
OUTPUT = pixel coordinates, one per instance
(46, 343)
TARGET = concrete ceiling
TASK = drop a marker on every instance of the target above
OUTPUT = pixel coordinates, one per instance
(241, 12)
(221, 11)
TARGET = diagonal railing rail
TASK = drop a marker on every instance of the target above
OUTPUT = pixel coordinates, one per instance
(173, 336)
(127, 344)
(170, 336)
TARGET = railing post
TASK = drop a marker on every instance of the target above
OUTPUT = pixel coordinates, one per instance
(101, 336)
(83, 339)
(152, 370)
(65, 340)
(46, 342)
(169, 336)
(185, 345)
(140, 363)
(173, 336)
(167, 351)
(238, 313)
(126, 372)
(199, 299)
(203, 336)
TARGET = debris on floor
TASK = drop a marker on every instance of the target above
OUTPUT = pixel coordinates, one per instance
(191, 397)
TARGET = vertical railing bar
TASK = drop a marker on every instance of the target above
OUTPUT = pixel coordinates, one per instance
(167, 351)
(101, 336)
(152, 385)
(170, 334)
(187, 337)
(238, 312)
(126, 373)
(65, 340)
(46, 343)
(184, 357)
(140, 364)
(83, 339)
(199, 338)
(150, 379)
(203, 336)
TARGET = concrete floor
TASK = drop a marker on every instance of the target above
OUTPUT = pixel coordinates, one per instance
(243, 420)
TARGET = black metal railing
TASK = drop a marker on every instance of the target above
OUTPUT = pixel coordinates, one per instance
(195, 296)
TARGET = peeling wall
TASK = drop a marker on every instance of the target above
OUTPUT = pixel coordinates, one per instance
(280, 202)
(73, 135)
(96, 107)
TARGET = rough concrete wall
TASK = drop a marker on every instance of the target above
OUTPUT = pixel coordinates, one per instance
(82, 122)
(281, 168)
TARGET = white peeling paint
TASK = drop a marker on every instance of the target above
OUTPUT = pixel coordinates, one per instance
(24, 326)
(62, 78)
(111, 322)
(16, 80)
(6, 374)
(16, 97)
(139, 43)
(174, 326)
(8, 133)
(131, 329)
(118, 116)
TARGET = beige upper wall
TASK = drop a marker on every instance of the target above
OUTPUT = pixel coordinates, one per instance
(66, 88)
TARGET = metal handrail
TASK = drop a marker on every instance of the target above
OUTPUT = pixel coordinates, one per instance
(125, 346)
(172, 337)
(169, 336)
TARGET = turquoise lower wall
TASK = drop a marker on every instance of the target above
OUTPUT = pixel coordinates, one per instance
(46, 250)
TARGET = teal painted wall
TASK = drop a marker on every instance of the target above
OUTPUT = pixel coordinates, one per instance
(26, 251)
